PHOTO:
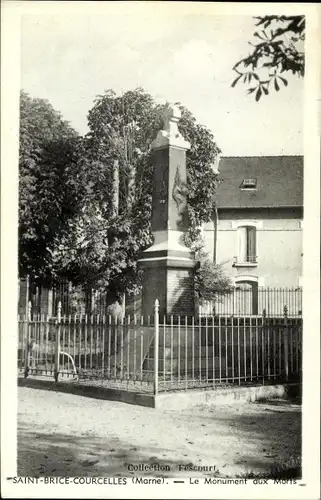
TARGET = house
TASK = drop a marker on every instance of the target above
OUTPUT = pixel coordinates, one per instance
(257, 230)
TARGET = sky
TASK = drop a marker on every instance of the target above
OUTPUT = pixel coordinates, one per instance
(69, 59)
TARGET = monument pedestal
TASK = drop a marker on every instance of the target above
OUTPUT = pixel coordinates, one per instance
(168, 264)
(172, 286)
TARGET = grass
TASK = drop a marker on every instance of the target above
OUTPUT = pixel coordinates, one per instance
(291, 469)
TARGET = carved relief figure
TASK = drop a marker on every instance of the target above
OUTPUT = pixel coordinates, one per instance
(178, 192)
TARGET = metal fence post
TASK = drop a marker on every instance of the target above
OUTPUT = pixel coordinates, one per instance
(28, 343)
(263, 343)
(156, 341)
(286, 344)
(57, 343)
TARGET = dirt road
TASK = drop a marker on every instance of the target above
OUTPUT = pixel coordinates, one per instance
(66, 435)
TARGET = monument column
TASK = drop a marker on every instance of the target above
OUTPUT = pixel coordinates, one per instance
(168, 264)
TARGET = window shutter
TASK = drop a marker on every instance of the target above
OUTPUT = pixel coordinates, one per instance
(251, 244)
(242, 250)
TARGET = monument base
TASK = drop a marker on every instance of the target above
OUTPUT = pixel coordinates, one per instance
(171, 281)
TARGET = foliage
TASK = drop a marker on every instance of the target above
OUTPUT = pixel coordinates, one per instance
(48, 192)
(279, 49)
(202, 179)
(211, 279)
(122, 128)
(105, 245)
(68, 224)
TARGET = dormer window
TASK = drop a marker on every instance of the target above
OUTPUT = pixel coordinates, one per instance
(248, 184)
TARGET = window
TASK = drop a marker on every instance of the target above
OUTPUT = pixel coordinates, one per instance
(246, 245)
(248, 184)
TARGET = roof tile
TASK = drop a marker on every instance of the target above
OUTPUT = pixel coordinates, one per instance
(279, 182)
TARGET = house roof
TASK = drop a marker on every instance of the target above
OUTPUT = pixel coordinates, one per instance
(279, 182)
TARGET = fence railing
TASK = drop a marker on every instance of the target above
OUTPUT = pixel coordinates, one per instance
(159, 354)
(239, 302)
(243, 302)
(86, 347)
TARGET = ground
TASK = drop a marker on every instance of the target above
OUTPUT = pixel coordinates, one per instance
(67, 435)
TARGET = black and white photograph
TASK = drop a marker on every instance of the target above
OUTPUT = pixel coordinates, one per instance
(159, 310)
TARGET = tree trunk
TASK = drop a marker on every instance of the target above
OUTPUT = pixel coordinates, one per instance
(115, 198)
(131, 186)
(88, 299)
(113, 306)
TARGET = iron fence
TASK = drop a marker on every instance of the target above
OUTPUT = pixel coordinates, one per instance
(218, 351)
(87, 347)
(160, 354)
(239, 302)
(261, 301)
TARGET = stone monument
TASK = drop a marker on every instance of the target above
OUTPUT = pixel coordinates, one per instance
(169, 265)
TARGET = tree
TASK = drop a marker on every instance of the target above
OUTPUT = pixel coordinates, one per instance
(279, 49)
(103, 243)
(121, 130)
(211, 281)
(48, 190)
(73, 221)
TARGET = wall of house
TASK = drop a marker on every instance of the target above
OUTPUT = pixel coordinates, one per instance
(279, 244)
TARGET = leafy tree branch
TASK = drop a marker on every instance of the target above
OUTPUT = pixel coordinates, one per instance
(278, 49)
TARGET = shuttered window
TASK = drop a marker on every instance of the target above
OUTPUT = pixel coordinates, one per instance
(241, 232)
(251, 244)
